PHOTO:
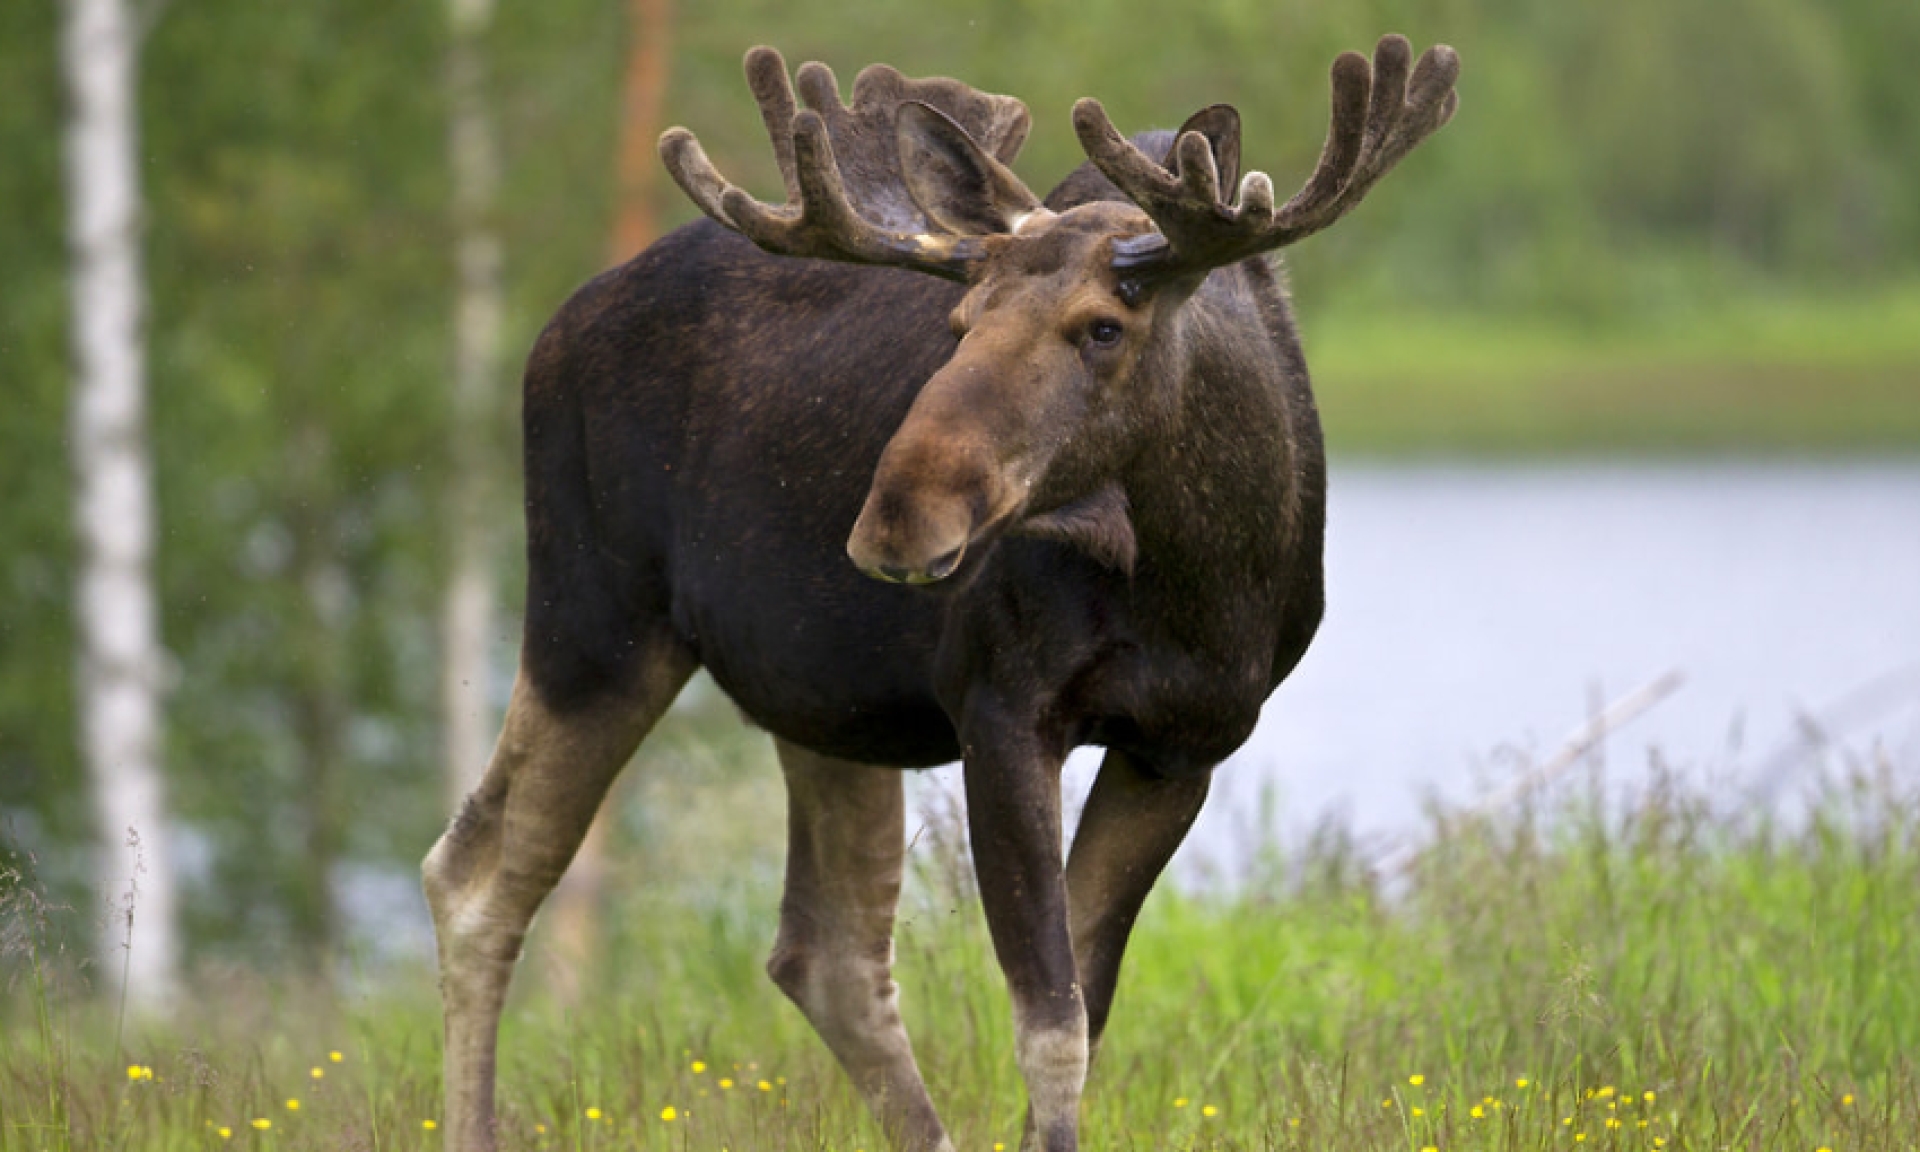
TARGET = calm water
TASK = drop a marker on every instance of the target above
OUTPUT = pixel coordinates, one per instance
(1475, 612)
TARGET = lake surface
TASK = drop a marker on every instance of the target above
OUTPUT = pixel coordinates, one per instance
(1477, 613)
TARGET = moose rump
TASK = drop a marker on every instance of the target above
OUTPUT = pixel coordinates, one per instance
(922, 467)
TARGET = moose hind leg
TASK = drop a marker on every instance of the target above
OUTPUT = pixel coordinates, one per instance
(505, 850)
(834, 954)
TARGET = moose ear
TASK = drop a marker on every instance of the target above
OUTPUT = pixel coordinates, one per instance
(953, 180)
(1220, 124)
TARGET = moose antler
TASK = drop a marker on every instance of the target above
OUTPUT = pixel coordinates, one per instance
(847, 196)
(1379, 114)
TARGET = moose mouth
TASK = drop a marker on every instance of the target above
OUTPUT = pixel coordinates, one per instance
(941, 568)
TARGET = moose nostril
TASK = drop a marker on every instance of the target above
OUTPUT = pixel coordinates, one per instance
(943, 566)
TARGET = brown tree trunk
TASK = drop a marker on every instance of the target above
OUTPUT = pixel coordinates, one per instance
(642, 95)
(575, 909)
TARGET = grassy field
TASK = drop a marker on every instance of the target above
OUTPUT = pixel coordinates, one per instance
(1799, 375)
(1670, 977)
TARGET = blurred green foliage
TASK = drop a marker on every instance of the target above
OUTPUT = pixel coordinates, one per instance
(1618, 165)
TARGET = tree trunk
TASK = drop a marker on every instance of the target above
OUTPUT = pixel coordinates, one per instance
(642, 95)
(468, 611)
(575, 908)
(121, 666)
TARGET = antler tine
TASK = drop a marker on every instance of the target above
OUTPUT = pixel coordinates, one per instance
(1380, 111)
(1401, 113)
(767, 80)
(819, 218)
(827, 225)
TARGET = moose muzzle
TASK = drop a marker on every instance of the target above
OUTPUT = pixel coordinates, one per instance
(929, 502)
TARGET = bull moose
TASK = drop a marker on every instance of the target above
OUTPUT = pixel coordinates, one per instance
(1065, 488)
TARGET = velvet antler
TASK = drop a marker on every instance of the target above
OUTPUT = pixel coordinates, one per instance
(1379, 113)
(848, 197)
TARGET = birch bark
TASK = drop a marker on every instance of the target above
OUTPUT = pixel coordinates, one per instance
(469, 610)
(121, 666)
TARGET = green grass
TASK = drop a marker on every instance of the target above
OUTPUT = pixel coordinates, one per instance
(1665, 978)
(1797, 375)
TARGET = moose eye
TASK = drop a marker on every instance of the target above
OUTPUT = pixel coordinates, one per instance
(1104, 333)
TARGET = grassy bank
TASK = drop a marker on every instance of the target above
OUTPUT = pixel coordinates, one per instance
(1800, 375)
(1665, 979)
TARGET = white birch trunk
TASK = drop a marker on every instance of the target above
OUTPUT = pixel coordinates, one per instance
(468, 611)
(120, 665)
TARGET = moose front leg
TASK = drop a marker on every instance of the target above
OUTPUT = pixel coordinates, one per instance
(1013, 812)
(1133, 822)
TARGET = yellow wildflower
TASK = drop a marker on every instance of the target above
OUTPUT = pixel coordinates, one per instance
(293, 1105)
(1179, 1101)
(1209, 1110)
(1419, 1111)
(335, 1057)
(1847, 1100)
(669, 1114)
(429, 1125)
(1416, 1079)
(699, 1066)
(764, 1086)
(262, 1123)
(725, 1083)
(226, 1133)
(317, 1073)
(593, 1113)
(1521, 1082)
(1477, 1112)
(1647, 1096)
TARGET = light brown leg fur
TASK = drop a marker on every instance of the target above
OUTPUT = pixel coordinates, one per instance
(505, 850)
(834, 955)
(1129, 829)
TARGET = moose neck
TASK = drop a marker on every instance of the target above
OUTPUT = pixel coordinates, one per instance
(1221, 493)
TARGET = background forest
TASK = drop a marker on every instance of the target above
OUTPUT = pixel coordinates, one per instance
(1724, 196)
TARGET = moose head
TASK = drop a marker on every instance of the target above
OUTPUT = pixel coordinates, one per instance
(1071, 317)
